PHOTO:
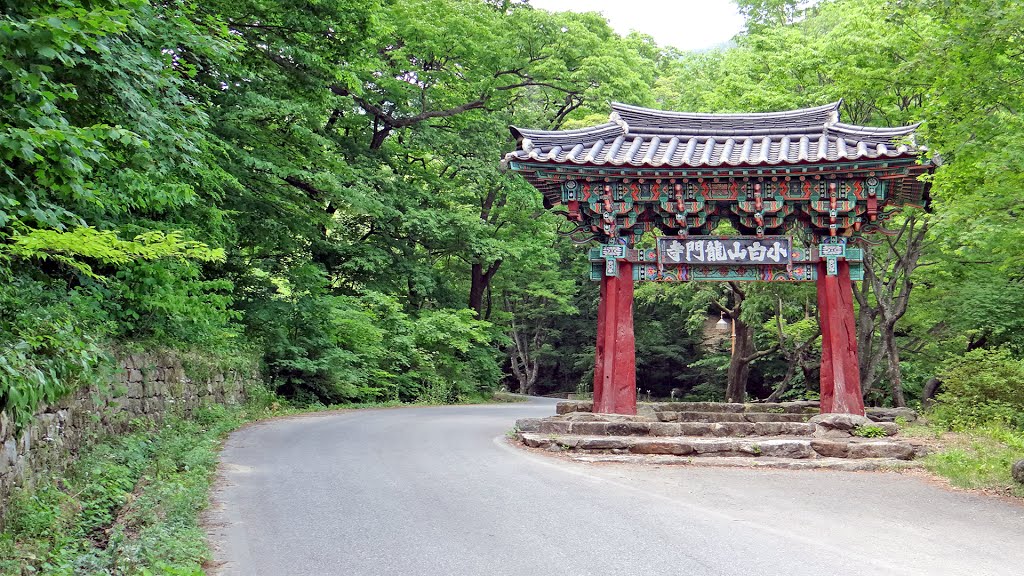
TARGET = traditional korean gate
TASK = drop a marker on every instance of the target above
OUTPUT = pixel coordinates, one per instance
(767, 174)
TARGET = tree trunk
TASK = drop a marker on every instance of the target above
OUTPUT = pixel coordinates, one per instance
(811, 372)
(480, 281)
(477, 289)
(739, 362)
(893, 354)
(869, 353)
(783, 386)
(931, 389)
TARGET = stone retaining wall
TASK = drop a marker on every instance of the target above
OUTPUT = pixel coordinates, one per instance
(149, 386)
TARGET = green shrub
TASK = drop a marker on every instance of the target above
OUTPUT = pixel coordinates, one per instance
(325, 349)
(869, 431)
(128, 506)
(981, 387)
(48, 343)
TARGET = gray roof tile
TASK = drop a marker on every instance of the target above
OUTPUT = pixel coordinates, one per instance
(637, 136)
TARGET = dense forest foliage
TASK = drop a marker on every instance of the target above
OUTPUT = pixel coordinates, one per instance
(318, 183)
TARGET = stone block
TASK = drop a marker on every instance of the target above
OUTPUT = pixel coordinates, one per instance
(1018, 471)
(535, 441)
(782, 428)
(157, 404)
(764, 407)
(786, 448)
(715, 447)
(628, 428)
(25, 441)
(773, 417)
(830, 448)
(821, 432)
(840, 421)
(135, 390)
(693, 429)
(710, 417)
(891, 414)
(118, 404)
(665, 429)
(891, 428)
(729, 407)
(609, 443)
(573, 406)
(135, 375)
(732, 429)
(697, 407)
(581, 417)
(8, 454)
(673, 447)
(802, 407)
(589, 428)
(48, 425)
(523, 424)
(554, 427)
(897, 450)
(568, 442)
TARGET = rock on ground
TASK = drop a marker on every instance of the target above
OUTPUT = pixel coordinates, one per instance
(891, 414)
(844, 425)
(1018, 471)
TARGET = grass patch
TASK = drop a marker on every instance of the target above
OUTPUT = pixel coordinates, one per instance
(128, 506)
(869, 431)
(978, 458)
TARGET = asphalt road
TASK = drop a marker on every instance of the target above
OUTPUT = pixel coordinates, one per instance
(438, 492)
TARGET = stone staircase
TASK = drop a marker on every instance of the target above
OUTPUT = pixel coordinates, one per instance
(790, 434)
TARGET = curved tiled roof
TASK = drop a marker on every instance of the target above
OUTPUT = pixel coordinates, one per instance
(637, 136)
(644, 119)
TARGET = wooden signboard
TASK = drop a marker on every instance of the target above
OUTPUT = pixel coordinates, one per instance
(736, 250)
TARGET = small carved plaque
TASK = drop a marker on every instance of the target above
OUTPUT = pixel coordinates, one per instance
(613, 251)
(832, 250)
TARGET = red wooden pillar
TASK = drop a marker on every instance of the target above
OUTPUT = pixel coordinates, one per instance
(615, 361)
(840, 372)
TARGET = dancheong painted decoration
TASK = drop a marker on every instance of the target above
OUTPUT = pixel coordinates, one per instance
(802, 189)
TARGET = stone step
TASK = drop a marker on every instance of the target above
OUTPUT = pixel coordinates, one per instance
(823, 463)
(637, 428)
(730, 417)
(774, 447)
(777, 408)
(733, 408)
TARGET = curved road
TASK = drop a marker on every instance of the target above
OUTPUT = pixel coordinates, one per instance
(439, 492)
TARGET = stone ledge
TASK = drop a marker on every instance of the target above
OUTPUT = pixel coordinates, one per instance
(661, 429)
(837, 464)
(804, 407)
(730, 417)
(794, 448)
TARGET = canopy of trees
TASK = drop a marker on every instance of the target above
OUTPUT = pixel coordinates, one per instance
(318, 184)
